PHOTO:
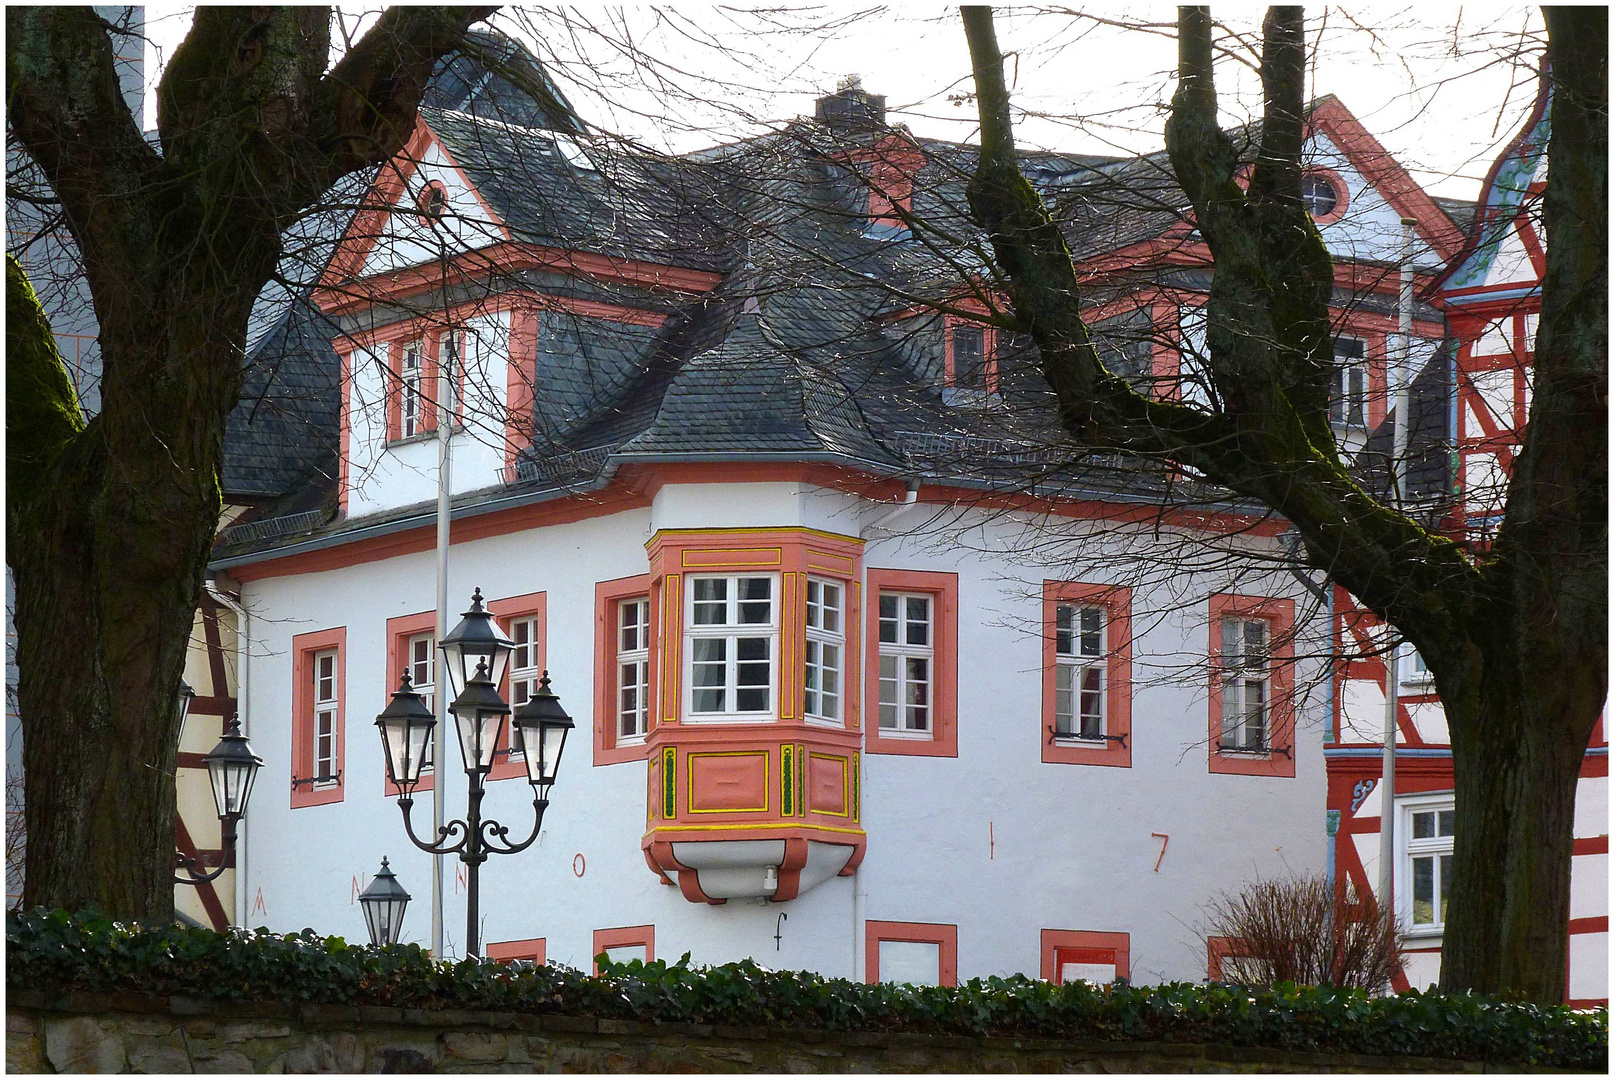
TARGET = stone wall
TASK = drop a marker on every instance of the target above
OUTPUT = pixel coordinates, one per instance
(128, 1033)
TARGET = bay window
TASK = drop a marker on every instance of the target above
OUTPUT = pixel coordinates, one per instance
(825, 647)
(732, 635)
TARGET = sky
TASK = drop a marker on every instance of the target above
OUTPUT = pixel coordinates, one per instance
(1442, 87)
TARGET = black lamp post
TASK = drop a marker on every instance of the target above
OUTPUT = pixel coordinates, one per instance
(477, 654)
(383, 901)
(231, 769)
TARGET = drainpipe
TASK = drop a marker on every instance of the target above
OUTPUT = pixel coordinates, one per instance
(1400, 384)
(243, 658)
(909, 498)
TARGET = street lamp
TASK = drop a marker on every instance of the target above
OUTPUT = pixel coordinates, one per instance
(477, 654)
(383, 901)
(231, 769)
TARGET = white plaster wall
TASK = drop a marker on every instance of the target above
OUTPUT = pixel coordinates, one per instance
(1588, 886)
(1588, 966)
(994, 841)
(1591, 806)
(385, 478)
(1422, 969)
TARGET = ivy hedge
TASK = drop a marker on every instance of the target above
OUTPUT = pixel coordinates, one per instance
(58, 951)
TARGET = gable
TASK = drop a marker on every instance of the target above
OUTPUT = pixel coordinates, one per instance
(390, 233)
(1369, 229)
(408, 239)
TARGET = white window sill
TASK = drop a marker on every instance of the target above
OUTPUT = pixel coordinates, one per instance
(899, 733)
(624, 741)
(823, 722)
(730, 718)
(1425, 933)
(1085, 740)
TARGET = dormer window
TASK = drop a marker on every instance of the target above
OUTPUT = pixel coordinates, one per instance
(970, 374)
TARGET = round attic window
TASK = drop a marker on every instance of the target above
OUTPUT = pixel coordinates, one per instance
(1320, 195)
(432, 203)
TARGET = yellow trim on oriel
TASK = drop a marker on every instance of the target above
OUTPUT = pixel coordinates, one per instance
(760, 825)
(805, 530)
(846, 792)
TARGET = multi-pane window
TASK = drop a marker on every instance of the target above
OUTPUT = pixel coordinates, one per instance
(969, 358)
(1079, 658)
(1414, 669)
(1428, 831)
(1246, 684)
(411, 403)
(1317, 194)
(422, 660)
(633, 667)
(907, 662)
(1347, 398)
(732, 635)
(826, 646)
(325, 710)
(524, 671)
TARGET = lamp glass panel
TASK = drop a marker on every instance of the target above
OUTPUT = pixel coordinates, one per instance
(554, 742)
(479, 737)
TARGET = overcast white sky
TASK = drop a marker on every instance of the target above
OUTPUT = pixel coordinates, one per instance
(1442, 87)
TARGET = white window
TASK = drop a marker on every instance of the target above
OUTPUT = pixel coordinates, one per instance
(412, 375)
(917, 963)
(732, 636)
(907, 663)
(1318, 195)
(1079, 658)
(633, 668)
(1193, 369)
(1414, 670)
(1245, 685)
(1347, 398)
(524, 672)
(325, 708)
(422, 660)
(826, 645)
(1425, 835)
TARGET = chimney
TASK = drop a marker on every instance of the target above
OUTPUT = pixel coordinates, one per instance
(851, 107)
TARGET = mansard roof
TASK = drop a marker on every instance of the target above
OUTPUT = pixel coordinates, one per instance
(820, 341)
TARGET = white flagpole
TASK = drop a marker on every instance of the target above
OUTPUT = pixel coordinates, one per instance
(448, 351)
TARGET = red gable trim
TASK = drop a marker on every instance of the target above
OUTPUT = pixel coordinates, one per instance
(1386, 175)
(507, 257)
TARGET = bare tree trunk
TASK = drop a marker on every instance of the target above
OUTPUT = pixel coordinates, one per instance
(1520, 728)
(110, 523)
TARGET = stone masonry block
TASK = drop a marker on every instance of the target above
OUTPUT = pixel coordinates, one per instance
(84, 1044)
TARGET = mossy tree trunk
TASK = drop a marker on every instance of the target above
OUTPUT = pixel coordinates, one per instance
(1517, 638)
(109, 522)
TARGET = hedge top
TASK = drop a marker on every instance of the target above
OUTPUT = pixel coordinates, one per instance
(56, 951)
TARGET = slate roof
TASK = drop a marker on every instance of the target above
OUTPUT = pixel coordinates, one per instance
(809, 348)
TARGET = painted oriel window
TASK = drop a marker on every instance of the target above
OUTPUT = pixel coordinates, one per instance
(825, 649)
(732, 635)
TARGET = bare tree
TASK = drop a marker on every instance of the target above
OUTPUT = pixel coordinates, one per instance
(1515, 637)
(1294, 930)
(110, 520)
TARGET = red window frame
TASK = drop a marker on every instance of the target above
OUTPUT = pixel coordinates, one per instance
(607, 595)
(943, 935)
(943, 589)
(617, 936)
(1061, 947)
(304, 647)
(505, 611)
(989, 353)
(533, 949)
(1279, 615)
(1218, 949)
(1117, 604)
(399, 630)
